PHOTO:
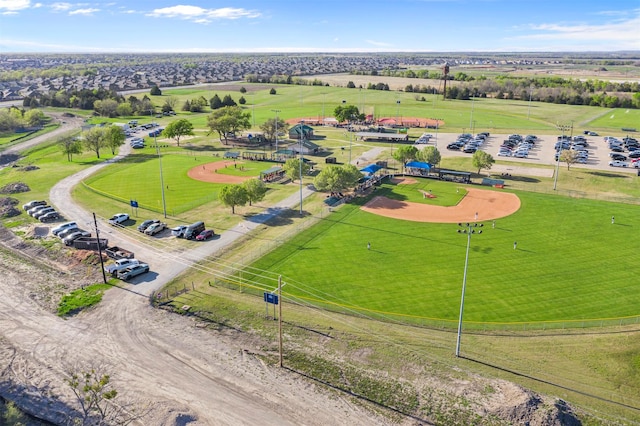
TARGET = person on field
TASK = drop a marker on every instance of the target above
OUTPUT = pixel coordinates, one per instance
(368, 246)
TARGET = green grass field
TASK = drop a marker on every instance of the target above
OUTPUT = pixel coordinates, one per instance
(571, 263)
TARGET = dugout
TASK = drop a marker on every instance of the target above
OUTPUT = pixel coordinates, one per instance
(272, 174)
(254, 156)
(454, 176)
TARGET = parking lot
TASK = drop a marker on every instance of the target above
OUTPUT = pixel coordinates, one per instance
(542, 153)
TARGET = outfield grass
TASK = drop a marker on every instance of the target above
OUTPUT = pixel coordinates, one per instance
(571, 264)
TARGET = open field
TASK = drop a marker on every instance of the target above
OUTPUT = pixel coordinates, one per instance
(563, 271)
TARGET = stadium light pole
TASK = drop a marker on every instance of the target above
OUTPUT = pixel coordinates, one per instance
(563, 128)
(276, 111)
(465, 228)
(301, 137)
(164, 204)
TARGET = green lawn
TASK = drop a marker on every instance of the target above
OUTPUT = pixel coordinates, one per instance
(571, 263)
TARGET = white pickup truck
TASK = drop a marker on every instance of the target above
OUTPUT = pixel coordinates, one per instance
(120, 265)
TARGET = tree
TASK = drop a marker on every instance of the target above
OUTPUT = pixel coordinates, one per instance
(429, 154)
(346, 113)
(215, 102)
(351, 85)
(94, 139)
(568, 156)
(242, 100)
(482, 160)
(114, 138)
(243, 90)
(405, 153)
(124, 109)
(337, 178)
(228, 101)
(292, 168)
(228, 120)
(269, 128)
(256, 190)
(234, 195)
(272, 91)
(106, 108)
(155, 91)
(70, 146)
(34, 117)
(177, 129)
(96, 398)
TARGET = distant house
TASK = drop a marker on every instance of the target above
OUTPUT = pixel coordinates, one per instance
(301, 129)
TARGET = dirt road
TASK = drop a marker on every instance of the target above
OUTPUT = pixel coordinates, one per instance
(157, 358)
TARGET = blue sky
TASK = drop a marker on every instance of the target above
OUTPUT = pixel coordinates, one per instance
(319, 26)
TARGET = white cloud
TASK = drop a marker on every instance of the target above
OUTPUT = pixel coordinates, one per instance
(202, 16)
(85, 12)
(618, 35)
(379, 43)
(14, 5)
(61, 6)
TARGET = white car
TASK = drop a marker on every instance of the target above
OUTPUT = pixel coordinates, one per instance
(178, 231)
(67, 225)
(119, 218)
(618, 163)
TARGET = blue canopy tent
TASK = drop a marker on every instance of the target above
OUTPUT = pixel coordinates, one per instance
(371, 169)
(417, 168)
(418, 165)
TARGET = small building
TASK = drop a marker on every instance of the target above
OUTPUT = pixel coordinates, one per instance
(307, 148)
(299, 130)
(232, 154)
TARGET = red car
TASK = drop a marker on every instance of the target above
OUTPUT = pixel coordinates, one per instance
(205, 235)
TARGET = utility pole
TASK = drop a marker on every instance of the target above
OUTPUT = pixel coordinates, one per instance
(280, 318)
(95, 223)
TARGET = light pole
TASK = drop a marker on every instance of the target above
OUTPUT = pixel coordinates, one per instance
(465, 228)
(276, 111)
(563, 128)
(164, 204)
(301, 137)
(471, 119)
(529, 110)
(397, 111)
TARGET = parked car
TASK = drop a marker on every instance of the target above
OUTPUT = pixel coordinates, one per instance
(69, 239)
(616, 156)
(119, 218)
(48, 217)
(154, 228)
(469, 149)
(67, 225)
(616, 148)
(178, 231)
(34, 203)
(453, 146)
(504, 153)
(119, 265)
(42, 212)
(147, 223)
(618, 163)
(205, 235)
(132, 271)
(520, 154)
(34, 210)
